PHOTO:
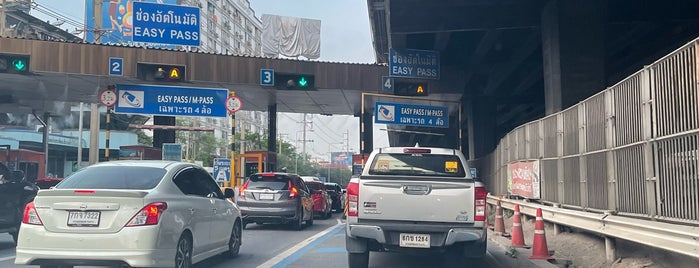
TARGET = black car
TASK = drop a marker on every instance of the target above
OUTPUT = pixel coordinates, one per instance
(338, 197)
(15, 193)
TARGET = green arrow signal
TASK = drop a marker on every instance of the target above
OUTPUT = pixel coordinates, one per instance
(303, 82)
(18, 64)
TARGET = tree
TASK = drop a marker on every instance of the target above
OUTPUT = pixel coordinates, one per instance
(143, 138)
(199, 146)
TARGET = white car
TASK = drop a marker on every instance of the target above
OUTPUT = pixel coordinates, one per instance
(130, 213)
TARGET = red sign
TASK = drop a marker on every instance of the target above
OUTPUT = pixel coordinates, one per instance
(523, 179)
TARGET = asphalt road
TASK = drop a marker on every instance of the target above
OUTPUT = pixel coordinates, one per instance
(320, 245)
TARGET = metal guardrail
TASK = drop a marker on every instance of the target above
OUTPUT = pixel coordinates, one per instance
(682, 239)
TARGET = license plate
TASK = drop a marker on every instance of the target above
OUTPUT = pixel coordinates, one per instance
(266, 196)
(414, 240)
(83, 218)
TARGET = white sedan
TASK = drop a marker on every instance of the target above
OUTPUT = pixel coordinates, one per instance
(133, 213)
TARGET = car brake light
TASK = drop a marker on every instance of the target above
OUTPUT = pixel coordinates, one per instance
(480, 203)
(241, 190)
(416, 151)
(30, 215)
(85, 191)
(292, 191)
(353, 199)
(268, 175)
(148, 215)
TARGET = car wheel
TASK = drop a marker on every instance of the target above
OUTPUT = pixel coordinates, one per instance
(358, 260)
(183, 255)
(235, 241)
(298, 224)
(309, 222)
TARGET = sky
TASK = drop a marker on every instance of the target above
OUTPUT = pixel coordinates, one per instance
(345, 37)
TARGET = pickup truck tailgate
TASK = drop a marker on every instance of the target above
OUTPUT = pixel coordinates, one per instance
(415, 199)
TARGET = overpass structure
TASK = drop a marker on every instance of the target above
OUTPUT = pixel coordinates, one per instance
(589, 106)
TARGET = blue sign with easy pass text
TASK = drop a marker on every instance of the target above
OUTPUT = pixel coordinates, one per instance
(413, 63)
(411, 114)
(171, 100)
(166, 24)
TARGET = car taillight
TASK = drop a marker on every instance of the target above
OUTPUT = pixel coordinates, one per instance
(30, 215)
(293, 192)
(353, 199)
(148, 215)
(480, 203)
(241, 190)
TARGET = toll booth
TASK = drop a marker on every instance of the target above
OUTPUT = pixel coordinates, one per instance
(31, 162)
(256, 161)
(139, 152)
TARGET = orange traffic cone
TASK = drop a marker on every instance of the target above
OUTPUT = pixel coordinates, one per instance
(499, 222)
(517, 234)
(540, 250)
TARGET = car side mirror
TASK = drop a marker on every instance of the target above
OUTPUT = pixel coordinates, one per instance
(228, 193)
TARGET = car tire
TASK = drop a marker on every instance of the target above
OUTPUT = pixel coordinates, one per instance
(309, 222)
(298, 224)
(358, 260)
(183, 252)
(235, 241)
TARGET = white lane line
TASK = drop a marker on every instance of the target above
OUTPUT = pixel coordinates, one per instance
(7, 258)
(277, 259)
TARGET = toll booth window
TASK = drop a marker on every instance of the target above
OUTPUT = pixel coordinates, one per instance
(117, 178)
(417, 165)
(276, 182)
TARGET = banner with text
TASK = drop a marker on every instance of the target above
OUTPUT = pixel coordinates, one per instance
(166, 24)
(171, 100)
(523, 179)
(411, 114)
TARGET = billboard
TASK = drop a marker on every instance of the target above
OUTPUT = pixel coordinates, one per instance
(523, 179)
(341, 158)
(117, 21)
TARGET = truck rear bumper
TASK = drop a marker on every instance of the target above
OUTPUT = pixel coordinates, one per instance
(440, 237)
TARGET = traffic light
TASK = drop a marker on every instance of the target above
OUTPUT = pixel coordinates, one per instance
(14, 63)
(294, 81)
(410, 88)
(161, 72)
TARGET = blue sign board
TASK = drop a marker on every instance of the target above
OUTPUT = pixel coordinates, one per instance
(172, 151)
(413, 63)
(267, 77)
(116, 66)
(474, 172)
(166, 24)
(411, 114)
(171, 100)
(387, 84)
(222, 169)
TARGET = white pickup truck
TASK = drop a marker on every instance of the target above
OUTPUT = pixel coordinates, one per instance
(416, 199)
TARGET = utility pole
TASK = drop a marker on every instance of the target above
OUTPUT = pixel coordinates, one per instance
(2, 18)
(304, 134)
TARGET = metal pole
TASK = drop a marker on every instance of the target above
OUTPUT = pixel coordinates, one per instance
(80, 137)
(46, 141)
(94, 133)
(106, 144)
(361, 131)
(304, 135)
(3, 18)
(232, 176)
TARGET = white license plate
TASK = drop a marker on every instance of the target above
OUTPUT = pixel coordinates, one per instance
(83, 218)
(414, 240)
(266, 196)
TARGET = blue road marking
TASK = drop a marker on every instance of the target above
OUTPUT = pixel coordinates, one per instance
(330, 250)
(339, 235)
(298, 254)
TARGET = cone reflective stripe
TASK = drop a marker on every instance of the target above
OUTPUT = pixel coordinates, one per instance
(540, 250)
(499, 222)
(517, 235)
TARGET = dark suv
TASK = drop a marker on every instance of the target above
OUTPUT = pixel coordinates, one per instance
(335, 192)
(276, 198)
(15, 193)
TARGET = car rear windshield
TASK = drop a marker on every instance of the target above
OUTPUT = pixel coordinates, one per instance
(314, 186)
(114, 177)
(276, 182)
(437, 165)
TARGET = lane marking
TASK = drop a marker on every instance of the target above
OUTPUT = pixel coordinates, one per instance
(331, 250)
(7, 258)
(296, 252)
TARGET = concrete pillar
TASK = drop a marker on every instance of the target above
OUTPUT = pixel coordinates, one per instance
(573, 49)
(272, 135)
(610, 248)
(481, 124)
(94, 134)
(161, 136)
(366, 132)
